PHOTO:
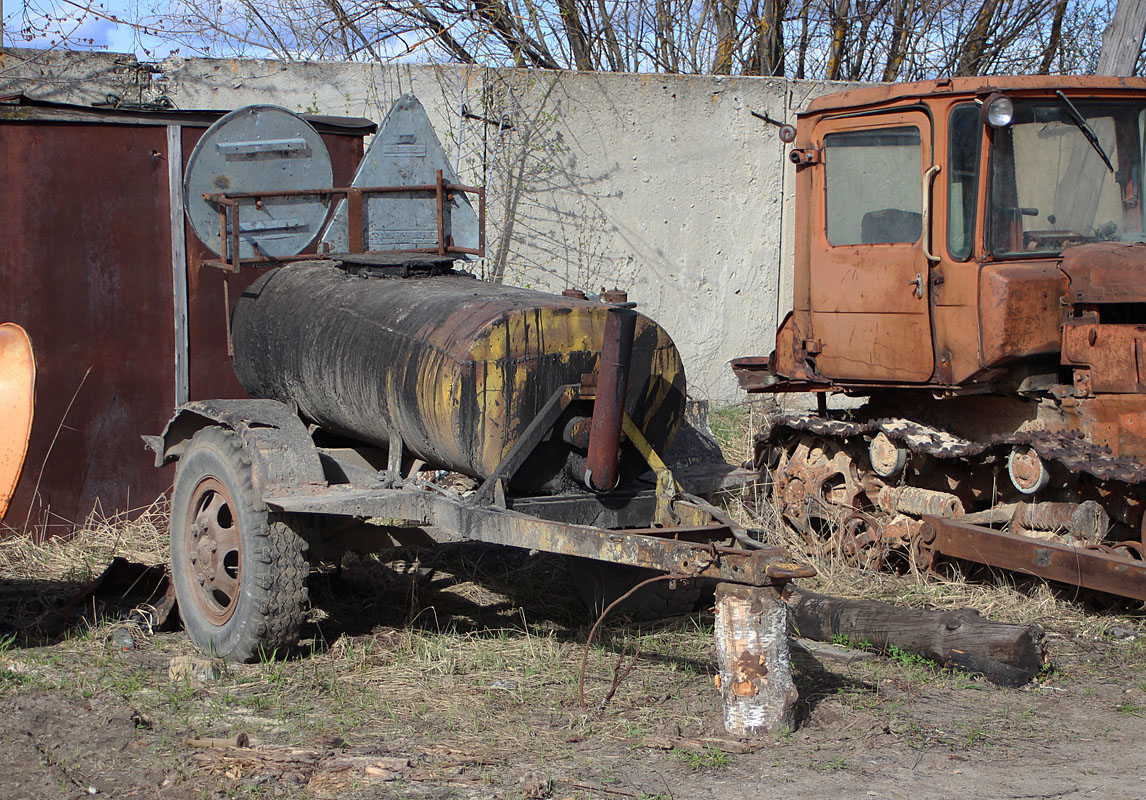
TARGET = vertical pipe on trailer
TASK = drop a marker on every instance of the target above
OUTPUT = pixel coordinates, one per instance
(178, 262)
(601, 465)
(441, 203)
(356, 234)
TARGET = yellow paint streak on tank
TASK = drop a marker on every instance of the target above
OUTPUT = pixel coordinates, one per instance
(490, 373)
(665, 370)
(510, 354)
(507, 357)
(439, 396)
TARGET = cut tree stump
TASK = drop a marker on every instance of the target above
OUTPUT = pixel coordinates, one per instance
(755, 677)
(1006, 654)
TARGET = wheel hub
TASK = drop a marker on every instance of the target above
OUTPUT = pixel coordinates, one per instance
(213, 553)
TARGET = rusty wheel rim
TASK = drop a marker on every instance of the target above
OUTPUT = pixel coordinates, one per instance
(859, 543)
(214, 560)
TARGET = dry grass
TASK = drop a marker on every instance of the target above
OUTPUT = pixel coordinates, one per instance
(735, 426)
(139, 535)
(39, 578)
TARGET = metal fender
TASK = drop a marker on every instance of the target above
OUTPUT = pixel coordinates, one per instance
(282, 454)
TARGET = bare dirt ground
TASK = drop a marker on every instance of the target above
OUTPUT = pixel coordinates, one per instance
(458, 677)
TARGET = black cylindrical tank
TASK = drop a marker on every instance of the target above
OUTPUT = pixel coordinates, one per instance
(456, 366)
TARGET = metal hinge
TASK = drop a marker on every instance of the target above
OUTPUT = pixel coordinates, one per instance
(804, 156)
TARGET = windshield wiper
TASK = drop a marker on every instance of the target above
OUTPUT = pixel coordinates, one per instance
(1080, 122)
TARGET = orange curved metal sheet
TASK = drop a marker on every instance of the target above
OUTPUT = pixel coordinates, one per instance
(17, 387)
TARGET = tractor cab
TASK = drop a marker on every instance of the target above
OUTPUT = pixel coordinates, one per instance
(932, 221)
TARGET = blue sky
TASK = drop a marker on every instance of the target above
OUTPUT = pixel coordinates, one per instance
(81, 31)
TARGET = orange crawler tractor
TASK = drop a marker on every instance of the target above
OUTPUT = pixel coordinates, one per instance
(971, 259)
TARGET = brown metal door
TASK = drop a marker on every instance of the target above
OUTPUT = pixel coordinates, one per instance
(868, 266)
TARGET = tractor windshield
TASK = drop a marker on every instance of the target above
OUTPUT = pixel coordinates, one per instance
(1050, 185)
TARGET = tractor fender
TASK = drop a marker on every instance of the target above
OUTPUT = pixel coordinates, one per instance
(282, 454)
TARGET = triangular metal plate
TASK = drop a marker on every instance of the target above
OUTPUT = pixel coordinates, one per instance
(405, 152)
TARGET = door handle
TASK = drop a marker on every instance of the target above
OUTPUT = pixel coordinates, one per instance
(928, 182)
(918, 284)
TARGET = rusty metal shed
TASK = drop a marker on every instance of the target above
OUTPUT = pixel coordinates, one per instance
(98, 264)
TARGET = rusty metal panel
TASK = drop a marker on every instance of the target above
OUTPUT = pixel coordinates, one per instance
(902, 93)
(865, 291)
(1115, 354)
(1105, 272)
(85, 269)
(212, 294)
(1116, 421)
(1020, 311)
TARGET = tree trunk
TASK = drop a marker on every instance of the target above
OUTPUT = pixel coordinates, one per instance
(1055, 38)
(666, 42)
(725, 36)
(897, 49)
(1007, 654)
(613, 52)
(767, 54)
(575, 33)
(839, 10)
(802, 56)
(1122, 40)
(975, 46)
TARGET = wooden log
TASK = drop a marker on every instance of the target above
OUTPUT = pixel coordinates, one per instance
(1009, 655)
(755, 677)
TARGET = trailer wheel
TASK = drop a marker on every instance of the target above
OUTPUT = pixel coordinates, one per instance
(599, 583)
(240, 574)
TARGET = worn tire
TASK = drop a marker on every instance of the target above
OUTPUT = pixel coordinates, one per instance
(250, 599)
(599, 583)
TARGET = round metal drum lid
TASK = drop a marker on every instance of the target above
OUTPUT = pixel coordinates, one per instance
(260, 149)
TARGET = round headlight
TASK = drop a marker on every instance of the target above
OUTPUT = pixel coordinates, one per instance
(998, 111)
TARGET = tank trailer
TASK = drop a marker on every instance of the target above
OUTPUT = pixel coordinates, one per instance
(376, 363)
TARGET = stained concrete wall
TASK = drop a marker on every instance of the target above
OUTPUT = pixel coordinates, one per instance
(665, 186)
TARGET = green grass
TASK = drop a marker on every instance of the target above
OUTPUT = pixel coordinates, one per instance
(843, 640)
(973, 734)
(835, 764)
(708, 759)
(1129, 709)
(10, 678)
(910, 659)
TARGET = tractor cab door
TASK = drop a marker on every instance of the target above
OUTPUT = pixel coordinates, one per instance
(868, 259)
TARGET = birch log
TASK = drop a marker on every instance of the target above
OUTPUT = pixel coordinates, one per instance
(755, 677)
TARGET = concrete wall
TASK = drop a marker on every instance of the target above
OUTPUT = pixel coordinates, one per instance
(665, 186)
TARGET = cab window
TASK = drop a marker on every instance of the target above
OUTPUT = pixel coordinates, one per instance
(965, 132)
(874, 186)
